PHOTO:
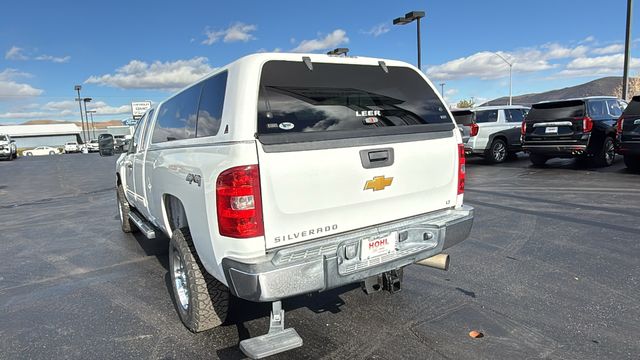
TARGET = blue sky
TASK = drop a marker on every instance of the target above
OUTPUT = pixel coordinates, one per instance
(123, 51)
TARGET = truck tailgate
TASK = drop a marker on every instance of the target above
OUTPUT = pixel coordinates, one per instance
(314, 193)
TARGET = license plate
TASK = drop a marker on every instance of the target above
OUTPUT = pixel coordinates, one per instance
(378, 246)
(551, 130)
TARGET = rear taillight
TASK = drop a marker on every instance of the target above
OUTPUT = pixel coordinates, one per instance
(239, 202)
(461, 169)
(587, 124)
(474, 129)
(523, 129)
(620, 125)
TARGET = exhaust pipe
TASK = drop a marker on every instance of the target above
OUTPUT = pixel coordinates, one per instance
(439, 261)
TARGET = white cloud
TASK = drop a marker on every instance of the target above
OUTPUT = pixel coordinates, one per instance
(103, 108)
(55, 59)
(65, 108)
(588, 39)
(10, 89)
(611, 49)
(487, 65)
(450, 92)
(157, 75)
(378, 30)
(332, 40)
(15, 53)
(236, 32)
(597, 66)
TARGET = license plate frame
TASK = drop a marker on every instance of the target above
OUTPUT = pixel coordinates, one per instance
(551, 130)
(386, 245)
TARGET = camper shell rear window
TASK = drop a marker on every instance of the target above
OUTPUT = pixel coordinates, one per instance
(334, 101)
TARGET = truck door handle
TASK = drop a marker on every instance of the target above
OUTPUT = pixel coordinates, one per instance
(375, 158)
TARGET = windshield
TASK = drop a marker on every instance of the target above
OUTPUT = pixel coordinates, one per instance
(344, 98)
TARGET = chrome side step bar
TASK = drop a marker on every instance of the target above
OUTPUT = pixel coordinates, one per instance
(143, 225)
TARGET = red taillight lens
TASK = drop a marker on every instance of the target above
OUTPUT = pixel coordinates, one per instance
(239, 202)
(523, 129)
(620, 125)
(587, 124)
(461, 169)
(474, 129)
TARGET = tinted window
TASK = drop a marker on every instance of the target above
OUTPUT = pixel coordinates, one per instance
(3, 138)
(514, 115)
(463, 117)
(598, 109)
(137, 135)
(211, 102)
(177, 116)
(146, 125)
(556, 110)
(614, 108)
(484, 116)
(342, 98)
(634, 107)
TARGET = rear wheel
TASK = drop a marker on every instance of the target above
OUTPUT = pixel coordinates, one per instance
(538, 160)
(632, 162)
(29, 154)
(123, 212)
(201, 300)
(607, 154)
(52, 153)
(497, 152)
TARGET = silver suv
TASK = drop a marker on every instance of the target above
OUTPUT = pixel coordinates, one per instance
(492, 132)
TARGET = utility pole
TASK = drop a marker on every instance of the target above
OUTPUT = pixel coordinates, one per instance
(442, 84)
(627, 52)
(86, 100)
(78, 88)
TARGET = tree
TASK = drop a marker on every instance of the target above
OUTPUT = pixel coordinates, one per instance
(465, 104)
(633, 87)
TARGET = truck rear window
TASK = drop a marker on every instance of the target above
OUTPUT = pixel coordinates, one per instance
(556, 110)
(463, 117)
(633, 108)
(347, 99)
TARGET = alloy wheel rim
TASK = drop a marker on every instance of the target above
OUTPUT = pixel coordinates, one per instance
(610, 153)
(499, 152)
(180, 280)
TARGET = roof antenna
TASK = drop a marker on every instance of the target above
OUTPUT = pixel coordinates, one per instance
(383, 66)
(307, 61)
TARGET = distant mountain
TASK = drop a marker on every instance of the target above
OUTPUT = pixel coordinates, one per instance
(606, 86)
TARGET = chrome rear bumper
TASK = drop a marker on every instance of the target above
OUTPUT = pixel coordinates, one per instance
(322, 264)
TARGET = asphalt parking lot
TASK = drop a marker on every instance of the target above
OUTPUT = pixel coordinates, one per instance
(551, 270)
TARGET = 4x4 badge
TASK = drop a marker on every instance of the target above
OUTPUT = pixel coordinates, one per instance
(378, 183)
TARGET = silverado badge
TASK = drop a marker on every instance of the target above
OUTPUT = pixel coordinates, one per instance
(378, 183)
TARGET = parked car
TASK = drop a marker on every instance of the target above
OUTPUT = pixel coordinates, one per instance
(41, 150)
(628, 131)
(583, 128)
(71, 147)
(92, 145)
(493, 131)
(320, 172)
(8, 150)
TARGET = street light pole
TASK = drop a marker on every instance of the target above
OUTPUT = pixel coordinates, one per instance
(442, 84)
(510, 78)
(627, 52)
(78, 88)
(85, 101)
(408, 18)
(93, 126)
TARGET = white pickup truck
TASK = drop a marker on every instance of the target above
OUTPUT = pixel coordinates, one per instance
(285, 174)
(8, 150)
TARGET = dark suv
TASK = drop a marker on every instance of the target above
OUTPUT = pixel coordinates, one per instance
(628, 128)
(577, 128)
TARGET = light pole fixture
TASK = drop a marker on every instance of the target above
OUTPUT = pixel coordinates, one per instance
(410, 17)
(85, 101)
(510, 63)
(627, 53)
(93, 127)
(442, 84)
(79, 100)
(338, 51)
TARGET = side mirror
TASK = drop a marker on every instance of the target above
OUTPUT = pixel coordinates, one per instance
(105, 144)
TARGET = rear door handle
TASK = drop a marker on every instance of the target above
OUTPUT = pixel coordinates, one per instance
(375, 158)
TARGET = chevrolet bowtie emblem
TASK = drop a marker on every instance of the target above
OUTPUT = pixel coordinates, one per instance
(378, 183)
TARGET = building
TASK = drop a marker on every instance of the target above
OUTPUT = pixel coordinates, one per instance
(30, 136)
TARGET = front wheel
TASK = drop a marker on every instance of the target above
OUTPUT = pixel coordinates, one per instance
(497, 153)
(538, 160)
(632, 162)
(201, 300)
(607, 154)
(52, 153)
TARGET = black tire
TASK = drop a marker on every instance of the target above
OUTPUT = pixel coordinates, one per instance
(208, 299)
(52, 153)
(632, 162)
(123, 212)
(607, 154)
(29, 154)
(497, 152)
(538, 160)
